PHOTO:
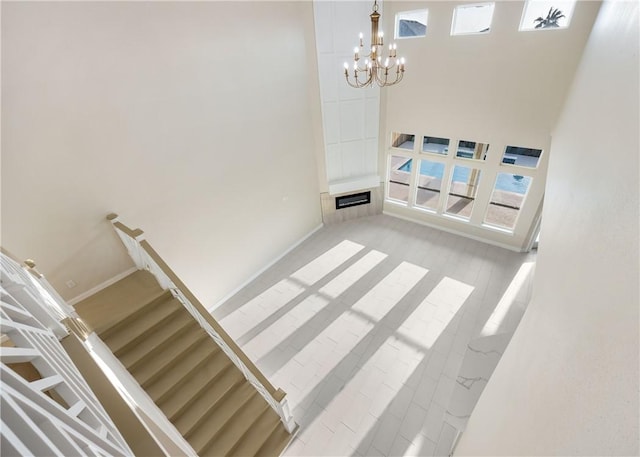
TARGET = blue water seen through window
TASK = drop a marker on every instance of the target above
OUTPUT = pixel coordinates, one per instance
(508, 182)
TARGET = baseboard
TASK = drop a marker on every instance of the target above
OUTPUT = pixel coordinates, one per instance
(454, 232)
(263, 269)
(99, 287)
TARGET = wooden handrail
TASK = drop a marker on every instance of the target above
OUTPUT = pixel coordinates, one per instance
(278, 395)
(127, 231)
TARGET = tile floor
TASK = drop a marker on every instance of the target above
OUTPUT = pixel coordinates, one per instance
(365, 326)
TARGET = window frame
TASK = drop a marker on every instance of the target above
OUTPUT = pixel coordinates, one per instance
(471, 5)
(568, 16)
(396, 25)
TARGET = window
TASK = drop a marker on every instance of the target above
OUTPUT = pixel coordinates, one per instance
(411, 24)
(453, 181)
(399, 178)
(507, 198)
(463, 190)
(435, 145)
(429, 184)
(402, 141)
(522, 157)
(471, 19)
(472, 150)
(546, 15)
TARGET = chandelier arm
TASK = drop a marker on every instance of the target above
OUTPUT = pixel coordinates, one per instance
(375, 69)
(358, 83)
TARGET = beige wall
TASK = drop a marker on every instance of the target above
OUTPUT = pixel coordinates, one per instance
(503, 88)
(568, 383)
(194, 121)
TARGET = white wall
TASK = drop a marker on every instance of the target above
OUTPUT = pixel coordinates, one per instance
(192, 120)
(568, 383)
(503, 88)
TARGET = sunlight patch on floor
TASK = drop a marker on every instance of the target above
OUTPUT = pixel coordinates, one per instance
(374, 387)
(304, 311)
(323, 354)
(271, 300)
(327, 262)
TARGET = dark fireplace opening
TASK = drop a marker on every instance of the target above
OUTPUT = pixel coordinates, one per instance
(346, 201)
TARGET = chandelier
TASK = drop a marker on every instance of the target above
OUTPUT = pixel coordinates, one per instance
(385, 72)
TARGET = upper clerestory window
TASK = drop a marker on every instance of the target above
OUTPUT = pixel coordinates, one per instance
(411, 24)
(546, 15)
(472, 19)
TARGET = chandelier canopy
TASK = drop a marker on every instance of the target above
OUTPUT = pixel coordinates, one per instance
(377, 68)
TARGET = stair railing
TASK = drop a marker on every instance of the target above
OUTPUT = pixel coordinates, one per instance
(35, 306)
(26, 286)
(146, 258)
(71, 422)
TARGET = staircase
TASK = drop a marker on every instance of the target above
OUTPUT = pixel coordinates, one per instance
(183, 370)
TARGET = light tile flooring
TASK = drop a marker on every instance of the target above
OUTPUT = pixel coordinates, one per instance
(365, 326)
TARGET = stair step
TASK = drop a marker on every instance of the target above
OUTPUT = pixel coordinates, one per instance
(208, 401)
(159, 340)
(208, 428)
(137, 312)
(259, 434)
(172, 379)
(161, 362)
(205, 388)
(275, 444)
(137, 330)
(254, 436)
(116, 302)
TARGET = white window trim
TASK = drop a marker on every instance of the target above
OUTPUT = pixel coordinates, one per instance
(470, 5)
(568, 16)
(397, 25)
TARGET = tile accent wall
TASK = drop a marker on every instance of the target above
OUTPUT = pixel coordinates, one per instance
(330, 215)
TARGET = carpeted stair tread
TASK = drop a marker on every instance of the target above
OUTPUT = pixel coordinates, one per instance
(172, 379)
(202, 390)
(257, 434)
(276, 443)
(162, 361)
(225, 418)
(159, 340)
(134, 313)
(209, 424)
(238, 428)
(136, 330)
(203, 411)
(114, 303)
